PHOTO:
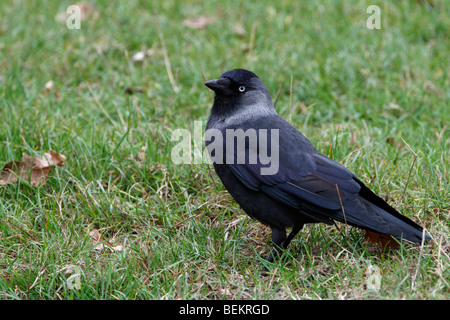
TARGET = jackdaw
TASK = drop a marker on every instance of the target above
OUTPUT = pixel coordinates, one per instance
(276, 175)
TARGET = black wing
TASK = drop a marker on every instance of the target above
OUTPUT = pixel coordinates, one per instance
(307, 178)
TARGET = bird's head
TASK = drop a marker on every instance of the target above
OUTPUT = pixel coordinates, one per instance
(237, 89)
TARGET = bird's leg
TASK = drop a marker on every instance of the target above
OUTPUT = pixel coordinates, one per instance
(278, 238)
(281, 241)
(292, 235)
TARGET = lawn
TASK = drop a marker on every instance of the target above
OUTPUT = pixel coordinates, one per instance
(122, 220)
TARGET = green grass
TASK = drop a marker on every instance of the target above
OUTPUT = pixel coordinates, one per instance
(356, 93)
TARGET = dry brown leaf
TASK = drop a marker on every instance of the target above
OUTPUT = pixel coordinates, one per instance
(199, 22)
(99, 245)
(384, 241)
(95, 235)
(141, 156)
(32, 169)
(115, 248)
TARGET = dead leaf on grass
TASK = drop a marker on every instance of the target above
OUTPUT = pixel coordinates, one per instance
(32, 169)
(140, 156)
(383, 241)
(96, 238)
(199, 22)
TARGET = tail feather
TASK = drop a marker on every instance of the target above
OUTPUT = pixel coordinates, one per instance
(393, 223)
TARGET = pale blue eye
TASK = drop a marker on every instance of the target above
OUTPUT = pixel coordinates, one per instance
(241, 88)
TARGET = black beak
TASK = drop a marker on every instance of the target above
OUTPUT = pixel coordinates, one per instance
(218, 85)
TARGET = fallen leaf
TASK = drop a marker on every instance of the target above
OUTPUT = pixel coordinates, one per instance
(384, 241)
(116, 248)
(95, 235)
(199, 22)
(99, 245)
(32, 169)
(55, 158)
(141, 156)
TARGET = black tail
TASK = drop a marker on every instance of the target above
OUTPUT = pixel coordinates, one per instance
(396, 225)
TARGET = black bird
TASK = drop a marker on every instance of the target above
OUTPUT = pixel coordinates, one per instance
(300, 185)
